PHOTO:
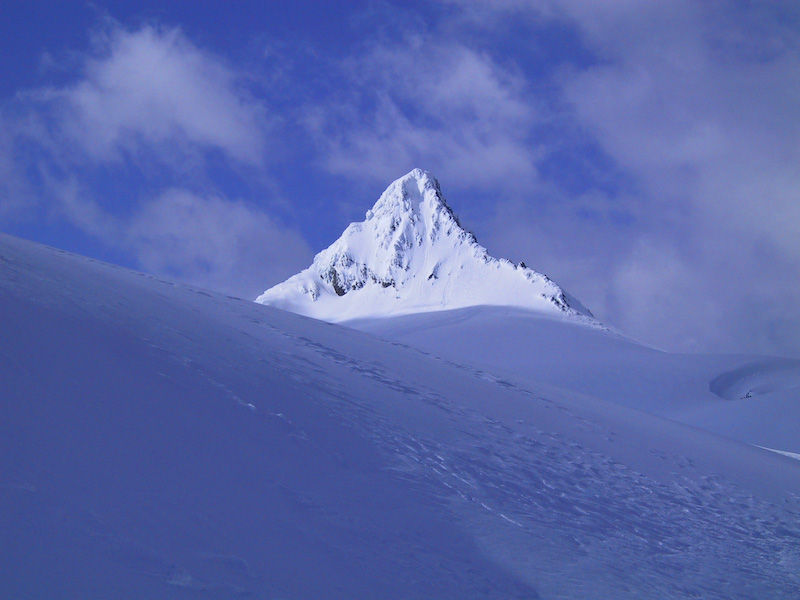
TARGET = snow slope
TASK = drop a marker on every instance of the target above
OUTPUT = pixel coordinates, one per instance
(411, 255)
(751, 398)
(411, 273)
(159, 441)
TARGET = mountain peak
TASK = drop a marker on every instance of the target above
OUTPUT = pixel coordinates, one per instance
(416, 194)
(411, 254)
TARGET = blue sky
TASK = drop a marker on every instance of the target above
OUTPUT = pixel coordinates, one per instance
(643, 154)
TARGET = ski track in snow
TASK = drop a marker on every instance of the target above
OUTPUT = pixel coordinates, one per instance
(750, 398)
(555, 490)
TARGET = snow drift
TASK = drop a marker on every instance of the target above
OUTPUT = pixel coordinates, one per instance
(755, 399)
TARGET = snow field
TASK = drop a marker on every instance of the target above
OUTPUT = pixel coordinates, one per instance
(174, 443)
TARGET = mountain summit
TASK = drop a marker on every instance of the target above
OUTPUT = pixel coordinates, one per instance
(411, 255)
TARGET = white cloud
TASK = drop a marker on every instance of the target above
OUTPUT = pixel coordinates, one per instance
(439, 105)
(74, 205)
(13, 197)
(696, 104)
(707, 123)
(153, 89)
(152, 97)
(655, 288)
(229, 246)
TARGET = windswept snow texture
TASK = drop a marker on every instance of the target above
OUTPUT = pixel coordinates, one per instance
(158, 441)
(755, 399)
(412, 255)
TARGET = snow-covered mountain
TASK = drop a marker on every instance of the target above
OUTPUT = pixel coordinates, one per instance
(412, 274)
(412, 255)
(159, 441)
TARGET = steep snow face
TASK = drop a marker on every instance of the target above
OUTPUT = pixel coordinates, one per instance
(411, 255)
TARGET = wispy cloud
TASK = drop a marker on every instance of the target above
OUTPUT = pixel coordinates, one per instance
(138, 149)
(695, 106)
(698, 106)
(420, 101)
(226, 245)
(230, 246)
(152, 89)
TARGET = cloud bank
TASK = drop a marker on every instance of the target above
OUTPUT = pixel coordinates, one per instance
(696, 102)
(151, 109)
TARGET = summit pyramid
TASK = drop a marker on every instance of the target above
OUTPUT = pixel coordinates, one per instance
(412, 255)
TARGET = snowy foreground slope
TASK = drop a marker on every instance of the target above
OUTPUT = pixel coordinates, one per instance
(411, 255)
(158, 441)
